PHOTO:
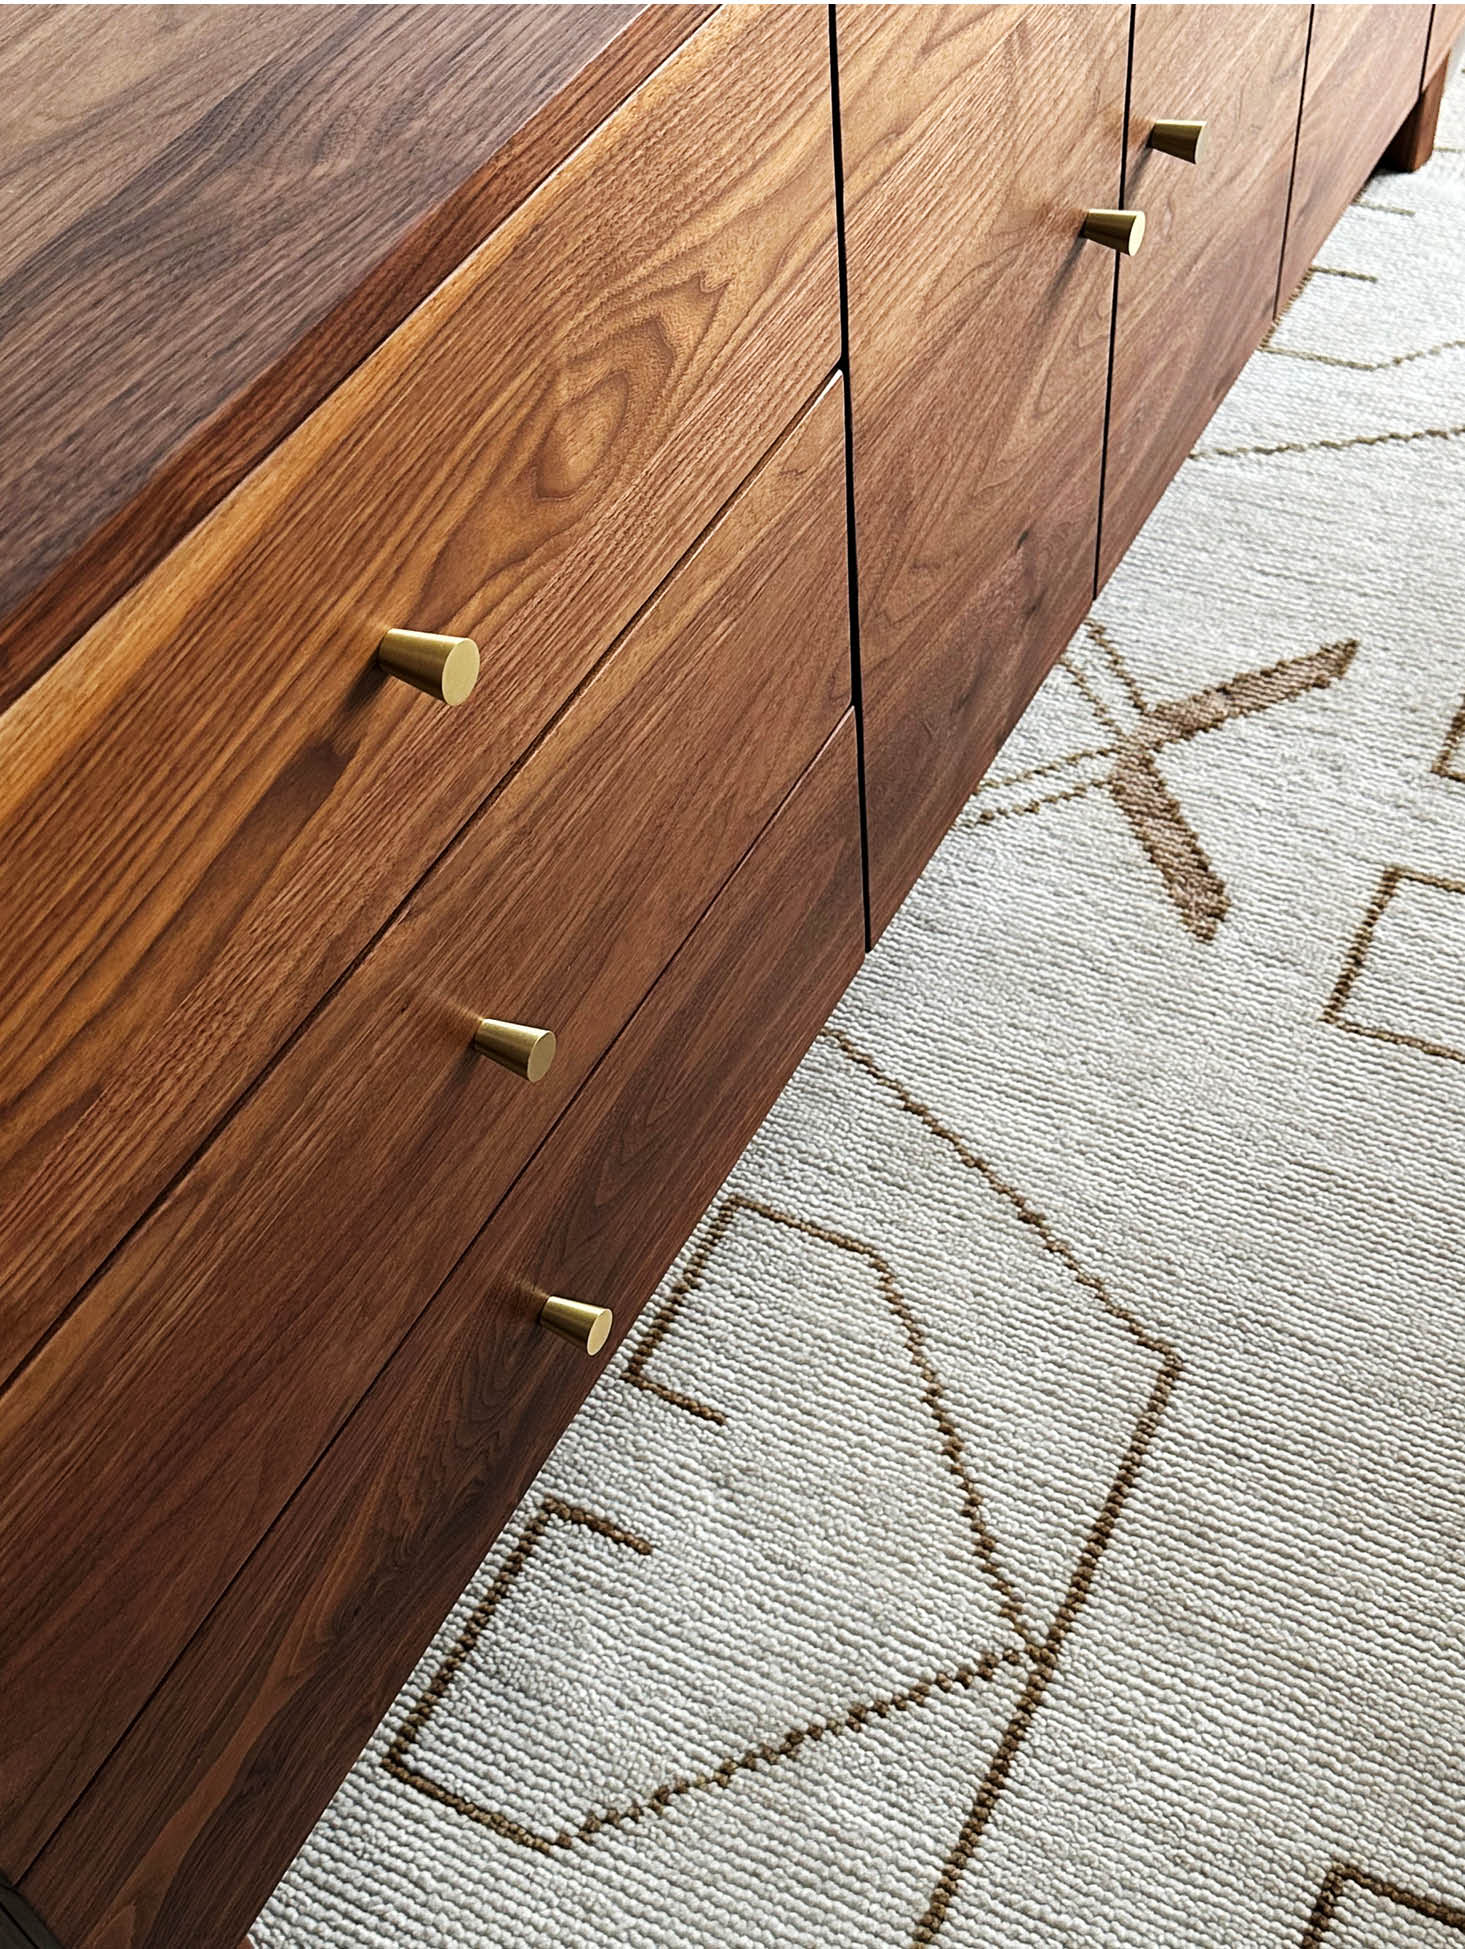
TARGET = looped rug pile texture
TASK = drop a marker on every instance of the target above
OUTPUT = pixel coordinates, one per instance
(1032, 1512)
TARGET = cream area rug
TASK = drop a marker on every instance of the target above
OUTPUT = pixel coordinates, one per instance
(1032, 1512)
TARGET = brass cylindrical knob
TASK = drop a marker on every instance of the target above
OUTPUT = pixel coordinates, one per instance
(528, 1052)
(1121, 230)
(588, 1326)
(1183, 139)
(446, 667)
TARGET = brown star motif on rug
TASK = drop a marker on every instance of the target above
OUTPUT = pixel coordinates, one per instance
(1125, 764)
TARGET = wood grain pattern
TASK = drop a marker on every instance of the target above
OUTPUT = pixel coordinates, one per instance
(1198, 299)
(146, 1448)
(212, 215)
(974, 139)
(213, 801)
(1364, 66)
(184, 1833)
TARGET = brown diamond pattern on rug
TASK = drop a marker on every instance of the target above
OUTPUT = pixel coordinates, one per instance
(1403, 980)
(1032, 1628)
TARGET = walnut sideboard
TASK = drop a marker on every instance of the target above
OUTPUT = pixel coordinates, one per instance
(522, 528)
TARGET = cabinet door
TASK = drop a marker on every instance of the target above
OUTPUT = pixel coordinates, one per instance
(1364, 66)
(974, 140)
(1198, 298)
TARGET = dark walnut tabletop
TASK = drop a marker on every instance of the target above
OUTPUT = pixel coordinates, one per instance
(210, 215)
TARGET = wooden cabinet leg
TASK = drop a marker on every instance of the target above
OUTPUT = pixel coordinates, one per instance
(1414, 144)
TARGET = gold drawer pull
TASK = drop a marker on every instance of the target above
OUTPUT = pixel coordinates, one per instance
(528, 1052)
(446, 667)
(1184, 139)
(1121, 230)
(588, 1326)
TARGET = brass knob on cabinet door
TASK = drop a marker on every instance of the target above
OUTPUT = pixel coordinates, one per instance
(446, 667)
(588, 1326)
(528, 1052)
(1183, 139)
(1121, 230)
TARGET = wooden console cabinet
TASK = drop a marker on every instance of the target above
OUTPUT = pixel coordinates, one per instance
(364, 991)
(979, 322)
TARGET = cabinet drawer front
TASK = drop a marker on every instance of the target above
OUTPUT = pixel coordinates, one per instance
(1363, 74)
(974, 140)
(1198, 299)
(292, 1670)
(209, 806)
(212, 219)
(162, 1426)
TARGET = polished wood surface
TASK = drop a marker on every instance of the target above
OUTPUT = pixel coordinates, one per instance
(974, 139)
(1198, 299)
(307, 1649)
(146, 1448)
(211, 215)
(1364, 66)
(209, 806)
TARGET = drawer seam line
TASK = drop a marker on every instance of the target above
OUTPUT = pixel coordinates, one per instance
(857, 689)
(1292, 173)
(1114, 315)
